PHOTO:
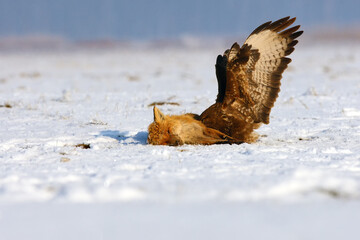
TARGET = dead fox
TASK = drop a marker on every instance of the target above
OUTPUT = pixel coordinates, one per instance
(183, 129)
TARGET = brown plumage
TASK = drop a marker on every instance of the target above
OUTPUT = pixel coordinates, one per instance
(249, 82)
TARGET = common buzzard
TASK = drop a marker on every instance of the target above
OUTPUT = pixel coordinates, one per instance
(248, 86)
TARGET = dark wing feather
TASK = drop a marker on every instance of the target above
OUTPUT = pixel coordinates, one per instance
(254, 71)
(220, 67)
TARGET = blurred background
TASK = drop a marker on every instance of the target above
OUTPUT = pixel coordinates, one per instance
(144, 20)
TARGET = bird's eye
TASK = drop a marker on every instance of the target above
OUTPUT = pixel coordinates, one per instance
(168, 131)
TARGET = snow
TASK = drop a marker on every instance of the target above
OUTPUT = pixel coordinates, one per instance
(301, 180)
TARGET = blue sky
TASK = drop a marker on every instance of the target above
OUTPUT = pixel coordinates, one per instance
(152, 19)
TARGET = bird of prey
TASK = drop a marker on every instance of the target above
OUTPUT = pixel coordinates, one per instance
(248, 86)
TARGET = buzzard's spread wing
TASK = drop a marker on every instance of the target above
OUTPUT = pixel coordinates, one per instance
(249, 77)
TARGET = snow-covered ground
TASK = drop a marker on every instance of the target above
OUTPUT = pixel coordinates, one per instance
(74, 163)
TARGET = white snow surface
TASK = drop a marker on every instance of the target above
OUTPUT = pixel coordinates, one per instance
(301, 180)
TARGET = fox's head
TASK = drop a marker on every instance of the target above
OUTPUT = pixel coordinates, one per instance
(162, 131)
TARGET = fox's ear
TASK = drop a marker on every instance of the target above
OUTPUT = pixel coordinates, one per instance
(158, 115)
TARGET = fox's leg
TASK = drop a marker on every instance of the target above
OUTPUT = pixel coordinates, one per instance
(214, 136)
(175, 141)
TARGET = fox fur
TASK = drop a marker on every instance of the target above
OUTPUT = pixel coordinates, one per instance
(177, 130)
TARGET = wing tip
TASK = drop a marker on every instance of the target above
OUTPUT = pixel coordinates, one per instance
(219, 60)
(296, 34)
(289, 51)
(289, 31)
(285, 24)
(235, 45)
(278, 26)
(293, 43)
(260, 28)
(278, 23)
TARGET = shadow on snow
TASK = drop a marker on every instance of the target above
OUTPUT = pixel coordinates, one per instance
(122, 137)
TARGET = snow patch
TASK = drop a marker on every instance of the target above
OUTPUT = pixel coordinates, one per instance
(351, 112)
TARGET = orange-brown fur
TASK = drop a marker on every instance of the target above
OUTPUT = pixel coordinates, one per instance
(182, 129)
